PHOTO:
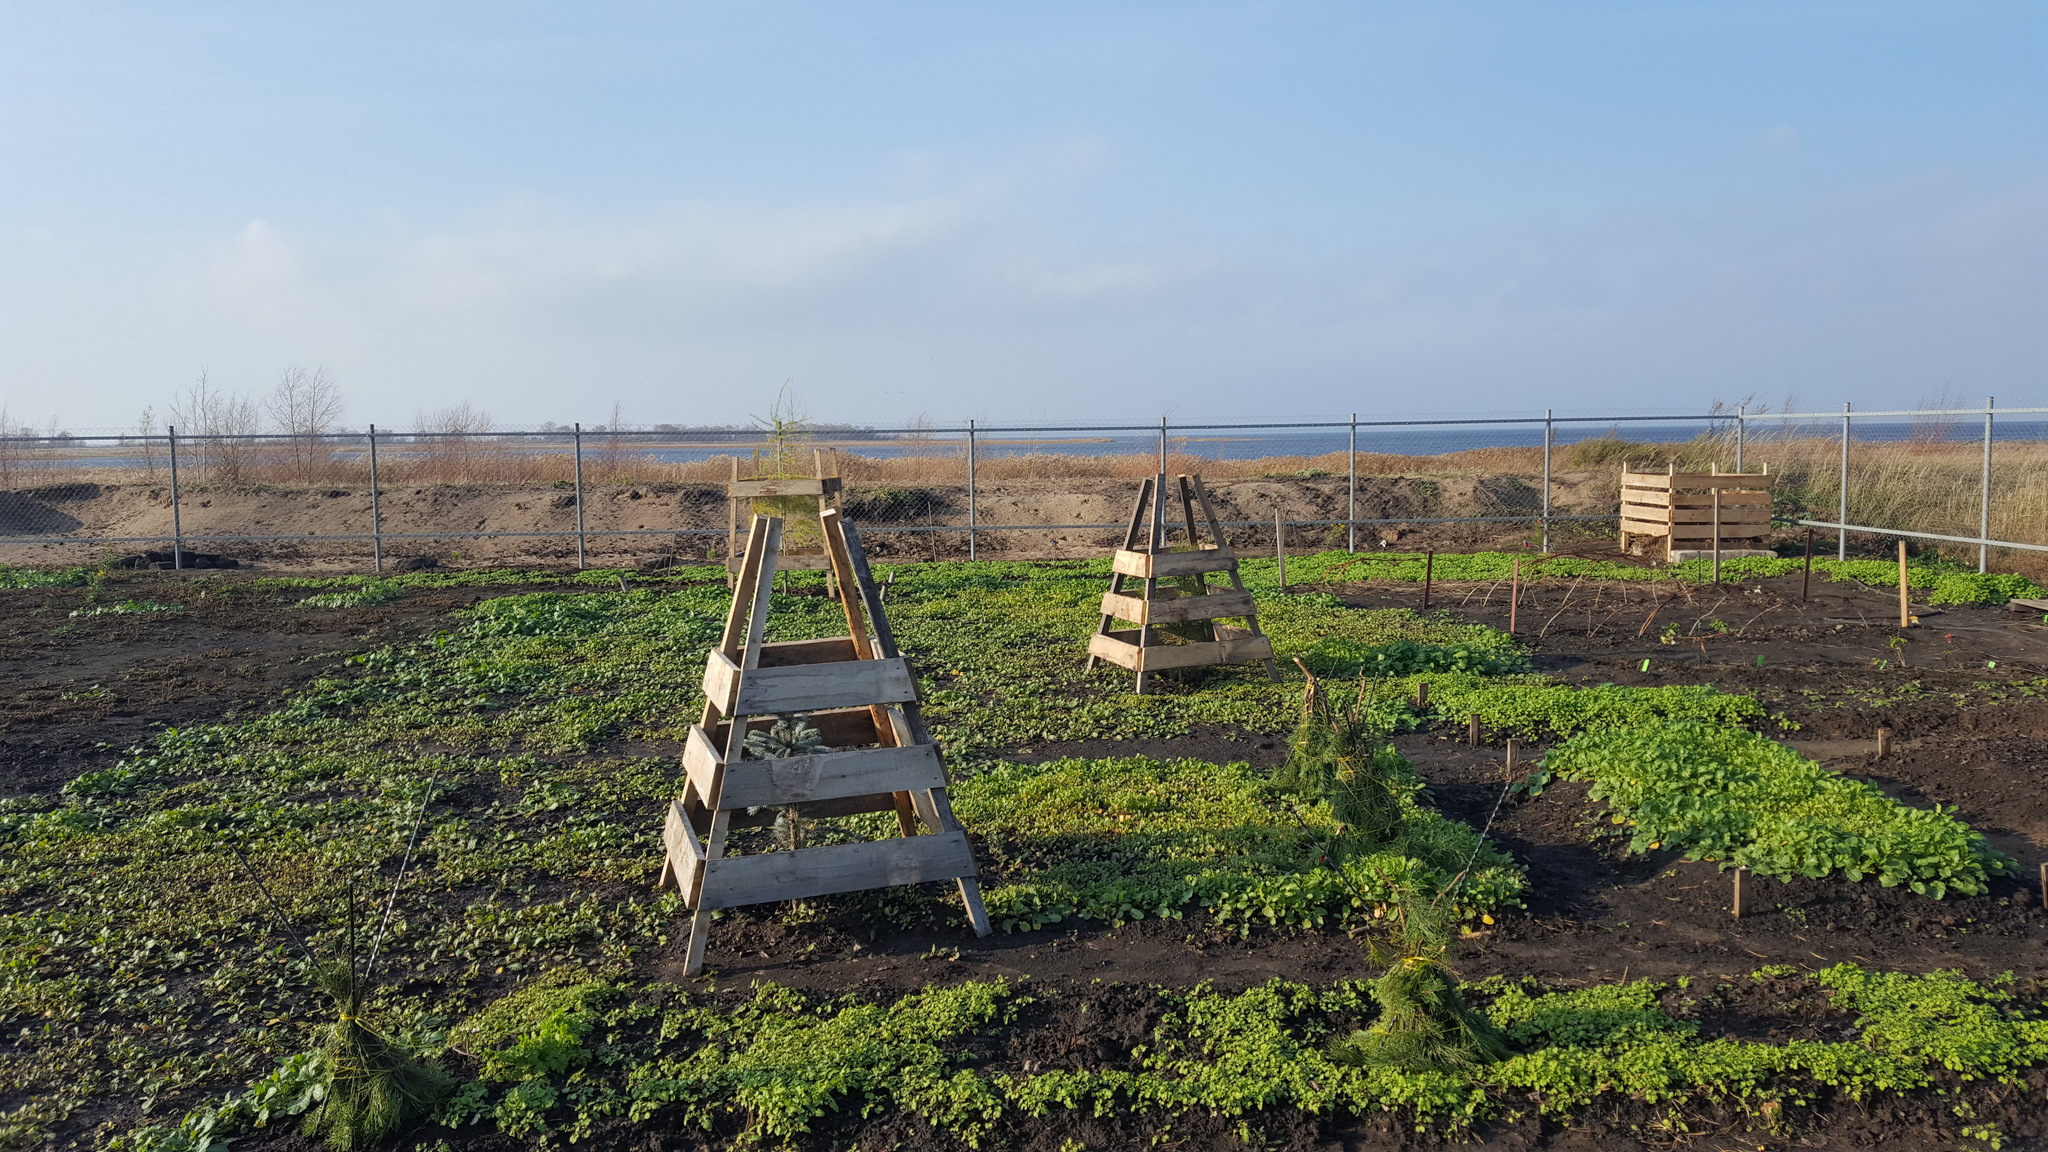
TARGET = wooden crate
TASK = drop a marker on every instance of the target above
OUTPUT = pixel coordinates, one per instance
(1680, 512)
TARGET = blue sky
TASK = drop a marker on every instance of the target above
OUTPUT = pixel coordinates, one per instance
(1050, 211)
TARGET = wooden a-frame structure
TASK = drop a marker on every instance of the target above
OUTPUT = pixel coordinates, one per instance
(860, 695)
(1179, 624)
(824, 489)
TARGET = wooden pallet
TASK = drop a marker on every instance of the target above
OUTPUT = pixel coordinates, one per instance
(862, 697)
(1696, 513)
(1177, 627)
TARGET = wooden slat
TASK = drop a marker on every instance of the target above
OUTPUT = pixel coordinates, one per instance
(1728, 516)
(830, 775)
(701, 760)
(1175, 610)
(776, 690)
(1643, 527)
(1660, 481)
(736, 880)
(721, 680)
(789, 562)
(685, 856)
(792, 653)
(1692, 499)
(798, 486)
(1121, 649)
(1147, 565)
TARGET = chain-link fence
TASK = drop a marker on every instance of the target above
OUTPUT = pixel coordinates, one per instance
(1962, 479)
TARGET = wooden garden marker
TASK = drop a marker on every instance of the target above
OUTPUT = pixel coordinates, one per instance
(1717, 531)
(2044, 885)
(1806, 577)
(1280, 546)
(1514, 594)
(1905, 613)
(1884, 742)
(1511, 755)
(1422, 696)
(1472, 731)
(1738, 892)
(1428, 570)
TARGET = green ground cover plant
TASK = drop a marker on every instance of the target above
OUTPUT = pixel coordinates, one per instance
(540, 729)
(1132, 838)
(1943, 581)
(778, 1064)
(1747, 801)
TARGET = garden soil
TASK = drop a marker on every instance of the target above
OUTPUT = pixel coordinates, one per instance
(1968, 731)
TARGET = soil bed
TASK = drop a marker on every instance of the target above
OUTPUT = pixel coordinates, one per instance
(1967, 715)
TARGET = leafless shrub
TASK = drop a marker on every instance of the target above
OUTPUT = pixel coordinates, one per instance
(218, 423)
(305, 406)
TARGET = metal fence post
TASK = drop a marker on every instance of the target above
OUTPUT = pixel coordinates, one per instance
(1351, 503)
(1842, 541)
(971, 519)
(1984, 503)
(1162, 445)
(579, 495)
(1549, 434)
(177, 524)
(376, 507)
(1740, 429)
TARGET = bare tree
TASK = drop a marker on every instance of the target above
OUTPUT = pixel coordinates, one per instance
(10, 450)
(146, 428)
(305, 406)
(217, 421)
(452, 454)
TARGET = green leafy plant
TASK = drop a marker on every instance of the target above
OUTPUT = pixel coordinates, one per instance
(1746, 801)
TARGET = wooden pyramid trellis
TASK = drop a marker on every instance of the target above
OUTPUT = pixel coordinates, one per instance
(859, 694)
(1177, 611)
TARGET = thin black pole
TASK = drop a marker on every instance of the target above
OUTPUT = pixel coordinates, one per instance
(1351, 506)
(1806, 577)
(971, 518)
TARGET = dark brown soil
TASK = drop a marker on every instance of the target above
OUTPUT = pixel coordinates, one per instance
(1964, 734)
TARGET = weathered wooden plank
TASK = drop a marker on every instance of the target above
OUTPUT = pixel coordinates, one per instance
(802, 689)
(1147, 565)
(1728, 516)
(685, 856)
(796, 486)
(721, 681)
(788, 562)
(830, 775)
(733, 881)
(1174, 610)
(1121, 649)
(791, 653)
(1691, 499)
(701, 759)
(1659, 480)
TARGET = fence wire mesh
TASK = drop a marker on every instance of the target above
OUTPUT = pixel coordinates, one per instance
(567, 495)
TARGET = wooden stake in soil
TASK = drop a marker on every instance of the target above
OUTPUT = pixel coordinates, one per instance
(1280, 546)
(1511, 756)
(1717, 532)
(1472, 730)
(2044, 885)
(1884, 742)
(1738, 892)
(1514, 594)
(1422, 696)
(1428, 570)
(1905, 612)
(1806, 577)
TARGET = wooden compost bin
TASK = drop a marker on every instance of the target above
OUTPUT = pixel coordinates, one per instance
(1690, 513)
